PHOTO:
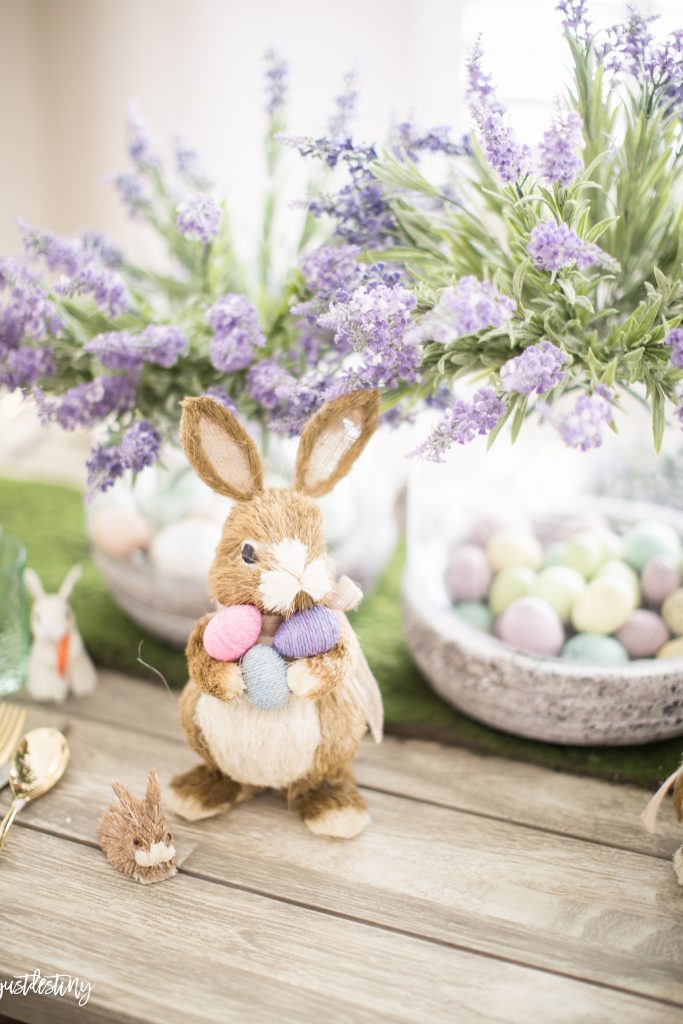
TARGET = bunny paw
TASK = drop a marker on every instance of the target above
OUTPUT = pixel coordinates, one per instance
(339, 822)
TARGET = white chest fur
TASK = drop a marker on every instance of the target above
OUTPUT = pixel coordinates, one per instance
(261, 748)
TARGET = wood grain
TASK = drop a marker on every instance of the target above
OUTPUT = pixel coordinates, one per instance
(521, 894)
(191, 950)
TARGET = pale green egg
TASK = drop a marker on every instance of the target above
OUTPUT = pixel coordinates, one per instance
(647, 539)
(594, 649)
(553, 555)
(476, 614)
(559, 586)
(584, 552)
(508, 585)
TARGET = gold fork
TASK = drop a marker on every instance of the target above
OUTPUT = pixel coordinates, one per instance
(12, 721)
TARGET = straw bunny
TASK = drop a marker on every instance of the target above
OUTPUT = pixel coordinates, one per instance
(59, 662)
(649, 815)
(133, 835)
(272, 558)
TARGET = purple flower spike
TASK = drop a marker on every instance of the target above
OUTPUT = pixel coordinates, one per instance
(199, 217)
(559, 161)
(582, 427)
(553, 246)
(675, 340)
(122, 350)
(138, 448)
(462, 423)
(537, 369)
(237, 333)
(511, 160)
(466, 308)
(277, 72)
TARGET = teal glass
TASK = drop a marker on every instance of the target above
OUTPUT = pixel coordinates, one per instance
(15, 631)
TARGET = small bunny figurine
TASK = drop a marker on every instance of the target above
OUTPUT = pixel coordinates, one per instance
(298, 729)
(649, 815)
(59, 662)
(133, 835)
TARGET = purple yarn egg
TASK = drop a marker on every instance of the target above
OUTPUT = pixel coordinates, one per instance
(531, 625)
(468, 576)
(305, 634)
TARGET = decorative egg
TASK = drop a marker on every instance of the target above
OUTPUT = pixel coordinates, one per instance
(512, 548)
(672, 649)
(476, 614)
(584, 552)
(603, 606)
(659, 578)
(468, 575)
(509, 585)
(265, 678)
(618, 569)
(232, 631)
(594, 649)
(646, 540)
(553, 555)
(559, 586)
(532, 626)
(307, 633)
(611, 543)
(672, 612)
(186, 549)
(643, 633)
(118, 530)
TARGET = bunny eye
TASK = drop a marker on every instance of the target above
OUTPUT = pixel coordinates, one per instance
(249, 553)
(137, 842)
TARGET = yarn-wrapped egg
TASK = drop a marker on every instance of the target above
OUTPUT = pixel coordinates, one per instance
(232, 631)
(307, 633)
(265, 677)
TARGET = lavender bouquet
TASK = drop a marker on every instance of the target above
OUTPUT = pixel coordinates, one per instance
(550, 278)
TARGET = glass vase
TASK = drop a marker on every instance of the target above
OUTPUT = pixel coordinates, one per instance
(15, 634)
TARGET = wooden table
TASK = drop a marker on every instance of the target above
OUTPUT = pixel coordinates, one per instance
(484, 891)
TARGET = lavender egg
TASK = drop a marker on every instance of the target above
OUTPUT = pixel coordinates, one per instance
(307, 633)
(659, 578)
(468, 576)
(531, 625)
(643, 634)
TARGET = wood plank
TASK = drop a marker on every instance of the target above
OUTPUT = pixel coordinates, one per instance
(507, 790)
(552, 902)
(190, 950)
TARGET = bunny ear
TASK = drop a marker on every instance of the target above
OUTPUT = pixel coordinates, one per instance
(129, 803)
(220, 450)
(70, 580)
(333, 439)
(33, 584)
(153, 793)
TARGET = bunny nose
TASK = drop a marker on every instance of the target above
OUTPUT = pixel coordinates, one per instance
(290, 574)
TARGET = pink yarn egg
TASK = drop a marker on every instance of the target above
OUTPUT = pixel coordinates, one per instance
(232, 631)
(643, 634)
(531, 625)
(468, 576)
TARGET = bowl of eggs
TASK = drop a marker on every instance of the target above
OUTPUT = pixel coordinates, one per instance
(567, 629)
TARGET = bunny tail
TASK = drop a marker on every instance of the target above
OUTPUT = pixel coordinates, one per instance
(650, 813)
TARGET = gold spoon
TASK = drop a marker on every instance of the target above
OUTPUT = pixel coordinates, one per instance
(38, 764)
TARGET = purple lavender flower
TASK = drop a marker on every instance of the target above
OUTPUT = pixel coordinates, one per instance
(408, 139)
(122, 350)
(199, 217)
(97, 246)
(277, 73)
(86, 404)
(29, 312)
(58, 252)
(511, 160)
(344, 106)
(24, 366)
(628, 45)
(582, 426)
(138, 448)
(574, 19)
(553, 246)
(675, 340)
(237, 333)
(139, 142)
(375, 317)
(462, 423)
(329, 268)
(219, 394)
(265, 382)
(106, 286)
(134, 193)
(537, 369)
(298, 400)
(466, 308)
(559, 161)
(188, 165)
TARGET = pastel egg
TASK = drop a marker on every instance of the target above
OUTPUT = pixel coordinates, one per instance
(511, 548)
(647, 539)
(643, 634)
(531, 625)
(559, 586)
(507, 586)
(603, 606)
(616, 568)
(476, 614)
(232, 631)
(118, 530)
(468, 575)
(611, 543)
(553, 555)
(307, 633)
(659, 578)
(185, 549)
(265, 678)
(672, 611)
(672, 649)
(594, 649)
(584, 552)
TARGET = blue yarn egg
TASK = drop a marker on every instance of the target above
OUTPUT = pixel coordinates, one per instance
(265, 677)
(305, 634)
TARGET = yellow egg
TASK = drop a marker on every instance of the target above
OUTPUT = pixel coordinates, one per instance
(512, 549)
(620, 570)
(508, 586)
(672, 611)
(603, 606)
(672, 649)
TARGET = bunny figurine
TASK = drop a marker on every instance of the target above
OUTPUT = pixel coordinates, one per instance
(297, 725)
(133, 836)
(649, 815)
(59, 662)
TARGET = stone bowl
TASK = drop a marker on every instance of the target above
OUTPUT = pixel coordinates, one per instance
(540, 698)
